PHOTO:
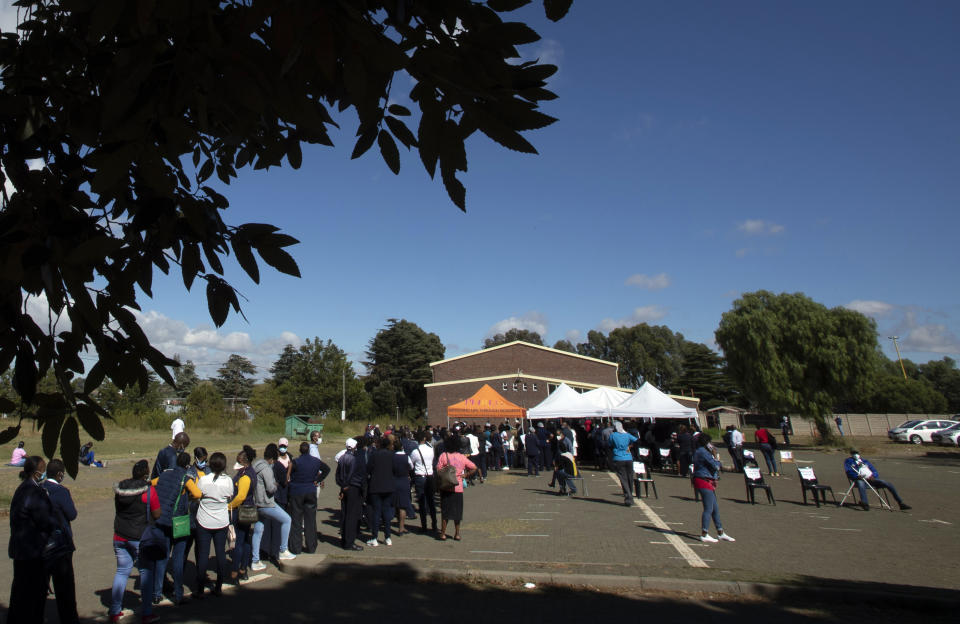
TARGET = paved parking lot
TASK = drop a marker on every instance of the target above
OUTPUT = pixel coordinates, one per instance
(515, 523)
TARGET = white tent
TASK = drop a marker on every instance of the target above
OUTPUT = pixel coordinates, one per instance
(606, 397)
(565, 402)
(648, 402)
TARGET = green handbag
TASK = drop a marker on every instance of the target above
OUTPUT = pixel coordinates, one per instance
(181, 524)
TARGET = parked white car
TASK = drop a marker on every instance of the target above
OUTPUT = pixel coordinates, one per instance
(947, 437)
(918, 431)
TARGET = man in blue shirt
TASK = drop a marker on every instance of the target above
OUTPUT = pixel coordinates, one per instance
(620, 442)
(861, 471)
(307, 473)
(167, 457)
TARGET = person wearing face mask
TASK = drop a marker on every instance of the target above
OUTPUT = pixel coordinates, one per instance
(264, 489)
(32, 522)
(620, 442)
(861, 471)
(167, 457)
(60, 570)
(283, 457)
(196, 470)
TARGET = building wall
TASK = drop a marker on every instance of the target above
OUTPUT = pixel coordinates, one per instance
(875, 425)
(531, 360)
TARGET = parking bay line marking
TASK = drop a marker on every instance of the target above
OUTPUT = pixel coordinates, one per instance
(518, 535)
(685, 551)
(935, 521)
(493, 552)
(836, 529)
(535, 519)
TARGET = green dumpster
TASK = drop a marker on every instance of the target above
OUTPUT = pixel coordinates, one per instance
(298, 426)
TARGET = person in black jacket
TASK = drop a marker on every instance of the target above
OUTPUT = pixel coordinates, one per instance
(60, 570)
(307, 472)
(684, 450)
(32, 522)
(381, 488)
(351, 476)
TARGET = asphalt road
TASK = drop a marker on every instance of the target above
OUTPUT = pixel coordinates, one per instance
(516, 526)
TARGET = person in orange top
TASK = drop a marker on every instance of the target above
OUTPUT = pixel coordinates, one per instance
(451, 503)
(243, 478)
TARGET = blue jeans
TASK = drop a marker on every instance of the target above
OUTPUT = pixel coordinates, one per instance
(382, 506)
(272, 513)
(243, 550)
(219, 539)
(562, 478)
(126, 556)
(710, 510)
(767, 451)
(879, 484)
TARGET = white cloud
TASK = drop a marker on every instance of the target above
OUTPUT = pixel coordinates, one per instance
(8, 16)
(574, 336)
(532, 321)
(759, 227)
(649, 282)
(933, 338)
(875, 309)
(644, 314)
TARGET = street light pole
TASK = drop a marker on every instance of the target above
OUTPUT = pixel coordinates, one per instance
(900, 359)
(343, 407)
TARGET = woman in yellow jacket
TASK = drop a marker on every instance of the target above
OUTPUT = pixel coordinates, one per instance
(243, 479)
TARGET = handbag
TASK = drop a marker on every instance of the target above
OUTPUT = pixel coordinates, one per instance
(153, 543)
(447, 480)
(180, 524)
(231, 537)
(247, 515)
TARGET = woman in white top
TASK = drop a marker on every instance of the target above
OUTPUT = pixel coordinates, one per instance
(421, 460)
(213, 518)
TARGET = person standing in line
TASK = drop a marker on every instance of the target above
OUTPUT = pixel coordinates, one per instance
(401, 483)
(620, 442)
(32, 522)
(423, 483)
(474, 449)
(243, 481)
(736, 438)
(531, 447)
(264, 489)
(684, 450)
(174, 489)
(350, 477)
(177, 426)
(195, 471)
(213, 517)
(706, 471)
(315, 444)
(137, 505)
(767, 444)
(785, 430)
(381, 489)
(307, 474)
(61, 570)
(451, 502)
(167, 457)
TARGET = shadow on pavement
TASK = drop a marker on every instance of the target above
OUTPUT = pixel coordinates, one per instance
(391, 593)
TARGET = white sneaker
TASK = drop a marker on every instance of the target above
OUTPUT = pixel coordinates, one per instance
(389, 542)
(708, 539)
(726, 538)
(373, 543)
(287, 556)
(256, 566)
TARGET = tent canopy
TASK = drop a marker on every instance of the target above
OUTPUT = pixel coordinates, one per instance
(565, 402)
(485, 403)
(648, 402)
(606, 397)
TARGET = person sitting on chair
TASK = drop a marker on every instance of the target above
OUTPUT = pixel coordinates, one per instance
(862, 472)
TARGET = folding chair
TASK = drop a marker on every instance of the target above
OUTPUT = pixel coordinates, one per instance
(666, 463)
(884, 498)
(580, 483)
(753, 479)
(642, 477)
(809, 483)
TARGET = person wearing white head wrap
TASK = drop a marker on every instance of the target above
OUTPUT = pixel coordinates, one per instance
(620, 442)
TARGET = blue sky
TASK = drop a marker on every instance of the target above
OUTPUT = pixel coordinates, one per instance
(703, 150)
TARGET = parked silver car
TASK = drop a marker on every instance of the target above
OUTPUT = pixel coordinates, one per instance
(918, 431)
(947, 437)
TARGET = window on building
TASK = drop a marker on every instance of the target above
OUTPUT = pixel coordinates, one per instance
(515, 385)
(534, 387)
(524, 387)
(551, 388)
(504, 386)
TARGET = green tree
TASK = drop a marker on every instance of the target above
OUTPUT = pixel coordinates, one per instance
(399, 358)
(790, 354)
(945, 379)
(704, 376)
(232, 380)
(185, 379)
(267, 407)
(282, 369)
(892, 394)
(138, 110)
(565, 345)
(644, 352)
(316, 376)
(526, 335)
(206, 406)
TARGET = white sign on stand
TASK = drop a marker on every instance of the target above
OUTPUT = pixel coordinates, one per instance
(752, 473)
(786, 457)
(639, 468)
(807, 474)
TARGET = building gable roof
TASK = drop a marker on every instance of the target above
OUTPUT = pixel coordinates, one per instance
(526, 344)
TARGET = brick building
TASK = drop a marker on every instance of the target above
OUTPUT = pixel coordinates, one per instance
(523, 373)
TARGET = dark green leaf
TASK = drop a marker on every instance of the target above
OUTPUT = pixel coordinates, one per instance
(25, 373)
(94, 378)
(6, 406)
(400, 111)
(190, 263)
(388, 149)
(51, 431)
(205, 171)
(455, 188)
(401, 131)
(556, 9)
(496, 130)
(218, 302)
(245, 257)
(9, 434)
(294, 155)
(91, 421)
(504, 6)
(70, 446)
(280, 260)
(365, 142)
(277, 240)
(515, 33)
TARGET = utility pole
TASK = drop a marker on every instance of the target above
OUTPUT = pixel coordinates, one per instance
(897, 347)
(343, 407)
